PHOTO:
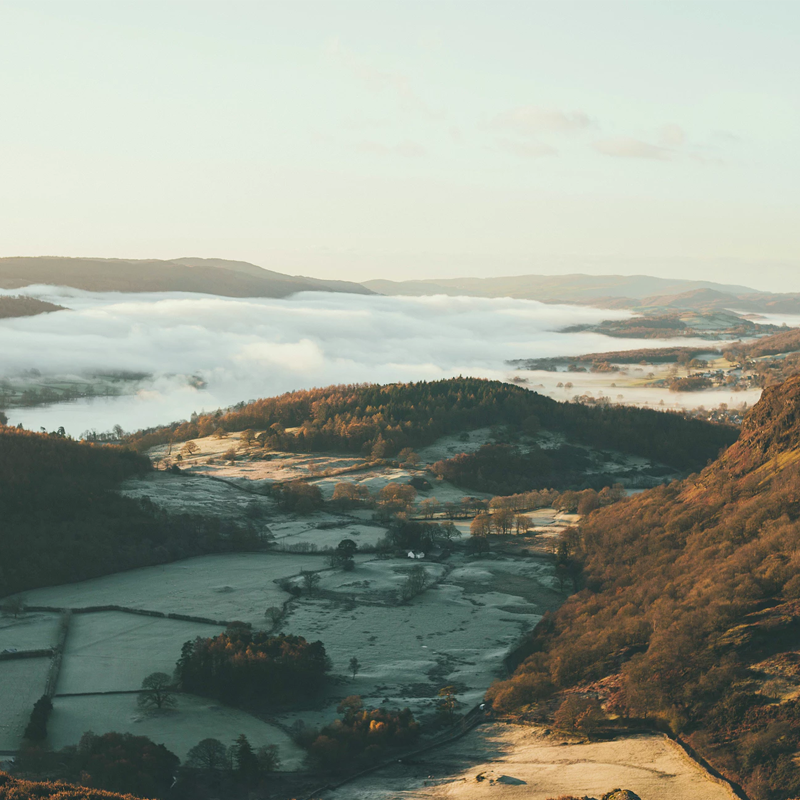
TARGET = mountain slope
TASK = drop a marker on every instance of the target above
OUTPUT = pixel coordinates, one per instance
(207, 276)
(707, 299)
(21, 789)
(552, 288)
(691, 607)
(21, 306)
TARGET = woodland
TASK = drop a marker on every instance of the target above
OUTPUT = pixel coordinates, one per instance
(62, 521)
(383, 420)
(22, 306)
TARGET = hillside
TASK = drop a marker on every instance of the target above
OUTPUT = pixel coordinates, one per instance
(678, 324)
(62, 521)
(207, 276)
(709, 300)
(641, 293)
(575, 288)
(691, 608)
(383, 420)
(21, 306)
(20, 789)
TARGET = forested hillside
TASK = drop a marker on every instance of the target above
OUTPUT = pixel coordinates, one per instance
(384, 419)
(691, 607)
(22, 306)
(61, 521)
(206, 275)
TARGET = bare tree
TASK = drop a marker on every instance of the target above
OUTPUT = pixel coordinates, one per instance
(523, 523)
(208, 754)
(12, 607)
(310, 581)
(158, 692)
(415, 583)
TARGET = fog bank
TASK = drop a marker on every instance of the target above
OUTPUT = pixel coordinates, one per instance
(246, 348)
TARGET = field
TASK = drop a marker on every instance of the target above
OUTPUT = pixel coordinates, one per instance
(111, 651)
(28, 632)
(511, 761)
(194, 719)
(223, 587)
(22, 683)
(472, 611)
(456, 632)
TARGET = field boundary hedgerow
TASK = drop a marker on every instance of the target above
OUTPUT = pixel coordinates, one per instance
(126, 610)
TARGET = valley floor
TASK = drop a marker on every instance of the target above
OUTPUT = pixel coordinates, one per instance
(510, 761)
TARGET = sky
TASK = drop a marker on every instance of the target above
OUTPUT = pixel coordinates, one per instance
(407, 139)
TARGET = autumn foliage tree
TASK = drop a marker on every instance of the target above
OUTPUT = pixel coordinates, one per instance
(253, 669)
(360, 737)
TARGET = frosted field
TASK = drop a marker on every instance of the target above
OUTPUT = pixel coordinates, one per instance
(112, 651)
(530, 579)
(449, 446)
(448, 634)
(456, 632)
(194, 495)
(225, 587)
(252, 463)
(375, 479)
(22, 683)
(268, 466)
(379, 577)
(29, 632)
(195, 718)
(296, 530)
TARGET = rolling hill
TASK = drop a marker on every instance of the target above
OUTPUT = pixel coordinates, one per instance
(641, 293)
(575, 288)
(207, 276)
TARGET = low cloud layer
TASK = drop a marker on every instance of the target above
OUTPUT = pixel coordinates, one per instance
(627, 147)
(533, 121)
(248, 348)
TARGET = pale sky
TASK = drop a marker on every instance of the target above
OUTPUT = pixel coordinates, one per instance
(407, 139)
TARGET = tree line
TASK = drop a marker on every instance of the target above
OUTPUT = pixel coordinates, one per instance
(62, 520)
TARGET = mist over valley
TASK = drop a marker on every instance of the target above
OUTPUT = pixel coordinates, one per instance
(204, 352)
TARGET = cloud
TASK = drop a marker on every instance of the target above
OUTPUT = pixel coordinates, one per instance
(672, 135)
(406, 149)
(669, 143)
(381, 80)
(726, 137)
(626, 147)
(526, 149)
(246, 348)
(533, 121)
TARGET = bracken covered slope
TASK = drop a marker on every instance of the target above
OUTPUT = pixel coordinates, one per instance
(16, 789)
(691, 608)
